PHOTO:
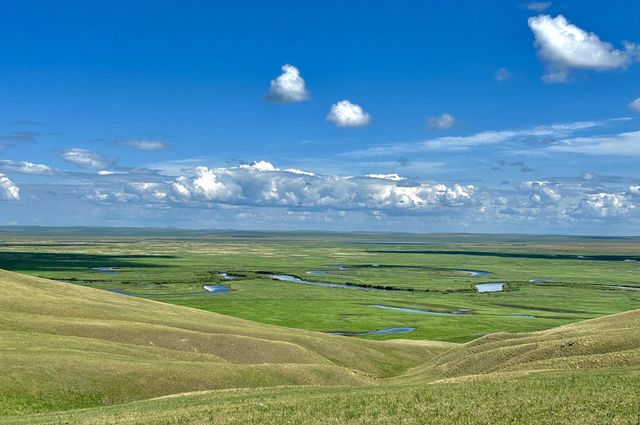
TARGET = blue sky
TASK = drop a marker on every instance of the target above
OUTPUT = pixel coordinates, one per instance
(412, 116)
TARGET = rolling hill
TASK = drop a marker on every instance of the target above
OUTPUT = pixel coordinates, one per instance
(67, 346)
(76, 355)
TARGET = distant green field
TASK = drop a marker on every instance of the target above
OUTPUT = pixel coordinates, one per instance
(550, 280)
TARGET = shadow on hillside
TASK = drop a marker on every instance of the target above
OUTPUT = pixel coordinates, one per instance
(54, 261)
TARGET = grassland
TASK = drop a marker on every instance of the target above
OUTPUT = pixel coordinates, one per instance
(66, 347)
(171, 267)
(562, 350)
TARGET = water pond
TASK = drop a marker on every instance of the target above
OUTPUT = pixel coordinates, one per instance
(376, 332)
(490, 287)
(458, 312)
(216, 289)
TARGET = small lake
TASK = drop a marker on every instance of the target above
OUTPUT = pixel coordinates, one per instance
(227, 276)
(542, 280)
(490, 287)
(376, 332)
(294, 279)
(458, 312)
(216, 289)
(106, 270)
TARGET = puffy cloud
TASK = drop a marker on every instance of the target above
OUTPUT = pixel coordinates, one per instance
(347, 114)
(541, 192)
(146, 145)
(537, 6)
(262, 184)
(564, 46)
(502, 74)
(441, 122)
(604, 205)
(25, 167)
(288, 87)
(259, 166)
(394, 176)
(84, 158)
(8, 189)
(635, 105)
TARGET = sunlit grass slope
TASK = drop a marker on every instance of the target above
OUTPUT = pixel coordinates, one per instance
(590, 397)
(64, 346)
(610, 341)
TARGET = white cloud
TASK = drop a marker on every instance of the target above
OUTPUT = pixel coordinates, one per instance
(541, 192)
(260, 184)
(146, 145)
(259, 166)
(537, 6)
(288, 87)
(622, 144)
(502, 74)
(462, 143)
(441, 122)
(394, 176)
(8, 189)
(84, 158)
(635, 105)
(25, 167)
(604, 205)
(347, 114)
(564, 46)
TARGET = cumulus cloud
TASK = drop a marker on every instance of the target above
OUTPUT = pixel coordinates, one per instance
(502, 74)
(288, 87)
(604, 205)
(347, 114)
(441, 122)
(564, 47)
(261, 184)
(25, 167)
(8, 189)
(146, 145)
(635, 105)
(541, 192)
(84, 158)
(537, 6)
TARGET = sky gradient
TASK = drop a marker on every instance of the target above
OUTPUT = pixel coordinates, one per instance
(418, 116)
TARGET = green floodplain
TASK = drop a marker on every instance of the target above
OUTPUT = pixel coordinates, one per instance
(453, 353)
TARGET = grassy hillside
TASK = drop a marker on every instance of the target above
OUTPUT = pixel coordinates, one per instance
(601, 396)
(66, 346)
(611, 341)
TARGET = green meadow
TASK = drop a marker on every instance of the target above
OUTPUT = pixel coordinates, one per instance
(116, 326)
(547, 283)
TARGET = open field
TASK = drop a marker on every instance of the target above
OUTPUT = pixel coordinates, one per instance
(66, 347)
(551, 281)
(76, 352)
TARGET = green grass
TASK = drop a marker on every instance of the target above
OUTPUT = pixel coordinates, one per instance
(172, 266)
(66, 346)
(81, 355)
(607, 396)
